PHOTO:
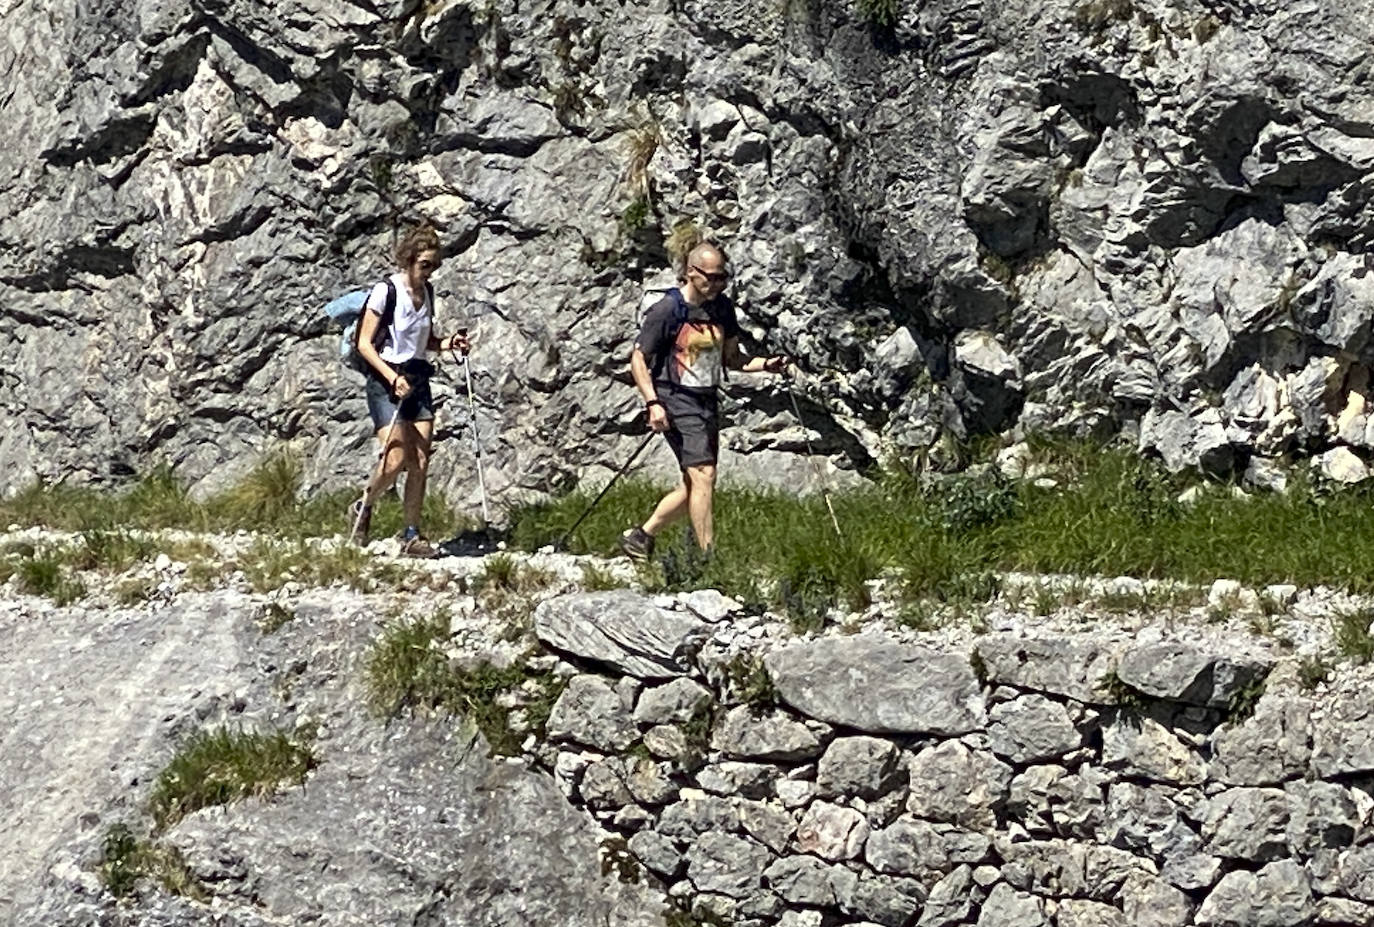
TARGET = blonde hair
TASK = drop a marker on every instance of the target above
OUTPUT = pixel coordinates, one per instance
(414, 242)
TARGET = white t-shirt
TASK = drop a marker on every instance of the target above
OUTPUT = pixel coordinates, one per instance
(408, 336)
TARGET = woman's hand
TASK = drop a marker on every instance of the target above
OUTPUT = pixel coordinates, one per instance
(400, 386)
(458, 342)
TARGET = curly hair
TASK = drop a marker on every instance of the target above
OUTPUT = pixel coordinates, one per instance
(414, 242)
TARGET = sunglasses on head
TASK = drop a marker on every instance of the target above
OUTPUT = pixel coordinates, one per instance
(718, 277)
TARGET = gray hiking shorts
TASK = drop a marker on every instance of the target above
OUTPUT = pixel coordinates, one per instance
(381, 405)
(693, 427)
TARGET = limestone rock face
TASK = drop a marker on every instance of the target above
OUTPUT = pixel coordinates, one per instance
(407, 818)
(1082, 217)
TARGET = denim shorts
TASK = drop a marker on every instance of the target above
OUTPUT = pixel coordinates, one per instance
(381, 405)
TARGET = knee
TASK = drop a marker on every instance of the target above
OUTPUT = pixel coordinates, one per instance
(701, 478)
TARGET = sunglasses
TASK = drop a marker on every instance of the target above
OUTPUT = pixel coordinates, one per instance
(717, 277)
(428, 265)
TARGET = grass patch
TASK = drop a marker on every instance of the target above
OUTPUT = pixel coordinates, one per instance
(126, 860)
(747, 679)
(947, 539)
(270, 564)
(46, 574)
(267, 499)
(222, 766)
(134, 591)
(1313, 671)
(407, 670)
(880, 12)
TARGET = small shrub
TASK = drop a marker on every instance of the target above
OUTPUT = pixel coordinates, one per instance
(616, 857)
(273, 617)
(46, 576)
(1121, 693)
(134, 591)
(880, 12)
(1243, 701)
(1312, 672)
(1353, 638)
(1093, 16)
(222, 766)
(747, 677)
(636, 215)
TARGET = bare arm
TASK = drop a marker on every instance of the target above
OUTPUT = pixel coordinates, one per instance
(639, 369)
(734, 359)
(367, 331)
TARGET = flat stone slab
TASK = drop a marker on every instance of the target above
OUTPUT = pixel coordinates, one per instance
(621, 629)
(1180, 672)
(878, 685)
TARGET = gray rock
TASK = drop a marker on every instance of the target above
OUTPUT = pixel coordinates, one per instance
(1006, 907)
(1183, 441)
(1355, 870)
(658, 854)
(768, 824)
(1276, 896)
(804, 880)
(1073, 912)
(1321, 815)
(602, 786)
(647, 781)
(950, 900)
(1147, 899)
(912, 847)
(1145, 818)
(666, 742)
(622, 629)
(726, 864)
(1072, 668)
(1343, 740)
(878, 686)
(1342, 912)
(1181, 673)
(832, 832)
(590, 712)
(772, 735)
(697, 813)
(950, 782)
(672, 703)
(1248, 824)
(1143, 747)
(881, 900)
(750, 780)
(866, 767)
(1031, 729)
(1268, 748)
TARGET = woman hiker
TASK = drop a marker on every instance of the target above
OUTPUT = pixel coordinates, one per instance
(395, 335)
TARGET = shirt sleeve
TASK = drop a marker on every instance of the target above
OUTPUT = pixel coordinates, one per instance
(376, 300)
(654, 332)
(729, 321)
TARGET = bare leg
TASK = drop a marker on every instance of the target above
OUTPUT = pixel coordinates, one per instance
(417, 438)
(393, 462)
(702, 482)
(670, 508)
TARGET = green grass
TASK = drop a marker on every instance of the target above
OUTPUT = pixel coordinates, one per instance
(407, 670)
(268, 499)
(220, 766)
(1353, 638)
(1113, 514)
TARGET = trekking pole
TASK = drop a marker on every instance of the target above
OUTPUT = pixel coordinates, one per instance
(477, 443)
(381, 466)
(810, 452)
(604, 489)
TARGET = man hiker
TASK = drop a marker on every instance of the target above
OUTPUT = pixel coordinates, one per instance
(688, 338)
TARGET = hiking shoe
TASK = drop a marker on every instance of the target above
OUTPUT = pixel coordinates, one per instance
(359, 523)
(637, 544)
(417, 546)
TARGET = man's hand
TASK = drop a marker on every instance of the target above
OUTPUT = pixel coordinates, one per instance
(777, 363)
(658, 418)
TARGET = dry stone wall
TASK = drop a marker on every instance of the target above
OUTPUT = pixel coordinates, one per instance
(1036, 781)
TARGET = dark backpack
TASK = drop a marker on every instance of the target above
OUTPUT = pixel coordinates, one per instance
(347, 310)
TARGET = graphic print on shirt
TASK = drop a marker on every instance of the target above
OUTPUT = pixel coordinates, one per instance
(697, 357)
